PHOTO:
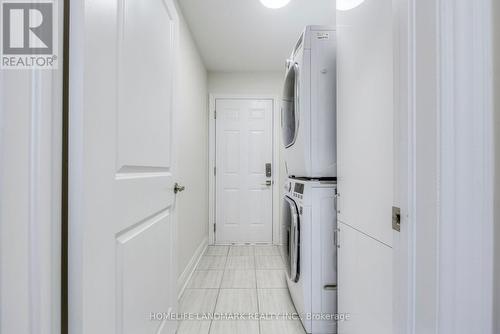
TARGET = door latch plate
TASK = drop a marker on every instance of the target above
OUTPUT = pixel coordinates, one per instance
(396, 219)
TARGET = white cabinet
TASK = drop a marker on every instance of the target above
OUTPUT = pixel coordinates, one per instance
(364, 283)
(365, 118)
(365, 166)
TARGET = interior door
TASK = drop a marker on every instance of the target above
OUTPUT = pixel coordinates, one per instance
(122, 202)
(244, 178)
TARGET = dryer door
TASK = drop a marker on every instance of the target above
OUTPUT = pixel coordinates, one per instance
(290, 106)
(291, 238)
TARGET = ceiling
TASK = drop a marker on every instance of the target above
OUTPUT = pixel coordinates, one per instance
(243, 35)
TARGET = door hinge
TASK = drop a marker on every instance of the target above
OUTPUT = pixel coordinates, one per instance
(337, 237)
(336, 202)
(215, 227)
(215, 170)
(215, 114)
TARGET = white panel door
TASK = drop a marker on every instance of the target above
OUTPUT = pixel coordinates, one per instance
(244, 146)
(122, 223)
(364, 283)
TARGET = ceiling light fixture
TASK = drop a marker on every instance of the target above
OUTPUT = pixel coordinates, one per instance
(274, 4)
(348, 4)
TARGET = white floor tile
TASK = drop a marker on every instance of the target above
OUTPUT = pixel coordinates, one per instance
(198, 301)
(237, 301)
(275, 301)
(241, 250)
(240, 262)
(225, 281)
(269, 262)
(206, 279)
(271, 279)
(234, 327)
(212, 262)
(194, 327)
(266, 250)
(281, 327)
(239, 279)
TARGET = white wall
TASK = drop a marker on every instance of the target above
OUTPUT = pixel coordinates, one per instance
(253, 83)
(245, 82)
(192, 151)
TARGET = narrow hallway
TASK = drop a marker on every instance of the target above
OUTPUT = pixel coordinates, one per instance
(239, 281)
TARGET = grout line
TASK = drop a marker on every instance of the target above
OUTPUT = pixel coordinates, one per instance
(225, 268)
(256, 288)
(218, 292)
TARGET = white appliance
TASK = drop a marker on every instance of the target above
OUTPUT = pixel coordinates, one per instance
(310, 251)
(308, 113)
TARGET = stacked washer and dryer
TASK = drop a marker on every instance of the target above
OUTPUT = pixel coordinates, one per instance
(309, 223)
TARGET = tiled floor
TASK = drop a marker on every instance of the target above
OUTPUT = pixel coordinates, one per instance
(239, 279)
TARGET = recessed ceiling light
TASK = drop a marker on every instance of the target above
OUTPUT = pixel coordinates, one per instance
(274, 4)
(348, 4)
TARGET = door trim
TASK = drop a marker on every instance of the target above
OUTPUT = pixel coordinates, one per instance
(31, 188)
(212, 157)
(464, 137)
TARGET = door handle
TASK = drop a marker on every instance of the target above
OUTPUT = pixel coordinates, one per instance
(267, 184)
(178, 188)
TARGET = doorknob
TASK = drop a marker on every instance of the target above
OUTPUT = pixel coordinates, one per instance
(268, 183)
(178, 188)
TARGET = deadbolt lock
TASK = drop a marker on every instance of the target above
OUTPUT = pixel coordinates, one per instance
(268, 170)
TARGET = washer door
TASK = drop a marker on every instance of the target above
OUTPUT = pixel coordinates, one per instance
(291, 238)
(290, 106)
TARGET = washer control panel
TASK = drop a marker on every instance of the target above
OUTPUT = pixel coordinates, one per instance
(298, 190)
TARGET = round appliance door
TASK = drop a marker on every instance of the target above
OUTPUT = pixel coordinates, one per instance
(291, 238)
(290, 106)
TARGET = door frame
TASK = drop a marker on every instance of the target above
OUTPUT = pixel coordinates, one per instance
(212, 157)
(464, 79)
(32, 235)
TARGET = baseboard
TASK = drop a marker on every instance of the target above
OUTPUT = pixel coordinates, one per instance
(189, 270)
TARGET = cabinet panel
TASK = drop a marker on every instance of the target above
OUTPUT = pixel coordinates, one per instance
(364, 283)
(365, 117)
